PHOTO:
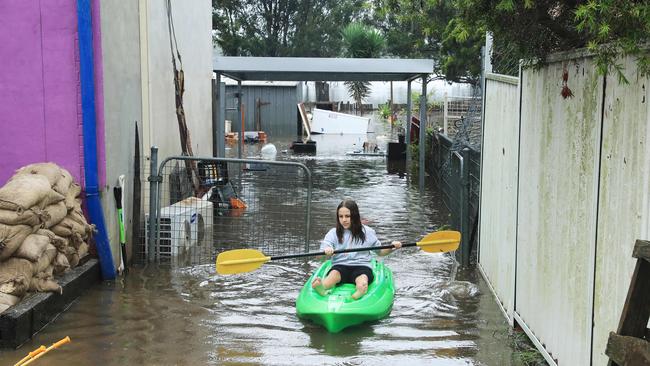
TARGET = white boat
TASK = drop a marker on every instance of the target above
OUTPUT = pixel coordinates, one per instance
(328, 122)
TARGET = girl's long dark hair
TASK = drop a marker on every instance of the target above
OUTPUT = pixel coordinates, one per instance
(355, 221)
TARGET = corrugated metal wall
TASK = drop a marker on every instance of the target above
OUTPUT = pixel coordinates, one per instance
(624, 202)
(558, 186)
(277, 118)
(583, 198)
(498, 217)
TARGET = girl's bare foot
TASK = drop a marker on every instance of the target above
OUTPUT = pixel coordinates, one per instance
(317, 285)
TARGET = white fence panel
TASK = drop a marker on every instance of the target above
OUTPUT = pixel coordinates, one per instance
(498, 217)
(624, 204)
(558, 185)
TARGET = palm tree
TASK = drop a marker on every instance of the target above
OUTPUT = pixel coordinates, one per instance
(361, 41)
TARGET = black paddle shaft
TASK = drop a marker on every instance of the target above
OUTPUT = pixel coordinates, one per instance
(389, 246)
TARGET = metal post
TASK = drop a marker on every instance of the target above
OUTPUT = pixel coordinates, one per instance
(215, 118)
(239, 120)
(308, 216)
(423, 127)
(153, 205)
(220, 91)
(464, 205)
(445, 115)
(407, 138)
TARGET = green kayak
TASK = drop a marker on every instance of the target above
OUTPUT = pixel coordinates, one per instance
(335, 311)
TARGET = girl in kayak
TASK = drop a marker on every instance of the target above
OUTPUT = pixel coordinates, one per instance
(355, 267)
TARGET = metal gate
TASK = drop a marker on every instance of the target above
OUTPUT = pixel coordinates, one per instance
(203, 206)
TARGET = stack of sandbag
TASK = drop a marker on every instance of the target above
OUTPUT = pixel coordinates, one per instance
(43, 231)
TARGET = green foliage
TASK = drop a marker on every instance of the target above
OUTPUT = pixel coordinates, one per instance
(361, 41)
(431, 104)
(282, 27)
(384, 111)
(537, 28)
(421, 29)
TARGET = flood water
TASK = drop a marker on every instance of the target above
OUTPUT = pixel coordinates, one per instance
(162, 316)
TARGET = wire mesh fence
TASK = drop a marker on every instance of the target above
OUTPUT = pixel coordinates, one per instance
(505, 58)
(204, 206)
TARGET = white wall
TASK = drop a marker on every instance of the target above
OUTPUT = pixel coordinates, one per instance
(380, 91)
(499, 167)
(193, 28)
(624, 201)
(122, 106)
(583, 200)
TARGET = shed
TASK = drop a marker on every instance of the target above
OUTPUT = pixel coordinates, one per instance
(316, 69)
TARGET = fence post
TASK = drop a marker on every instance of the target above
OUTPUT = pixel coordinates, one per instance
(445, 115)
(154, 179)
(465, 208)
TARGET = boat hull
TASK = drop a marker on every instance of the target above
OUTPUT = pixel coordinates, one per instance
(335, 311)
(328, 122)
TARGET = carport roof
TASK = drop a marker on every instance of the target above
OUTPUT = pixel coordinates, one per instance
(321, 69)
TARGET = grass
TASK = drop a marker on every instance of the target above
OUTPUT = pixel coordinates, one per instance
(525, 351)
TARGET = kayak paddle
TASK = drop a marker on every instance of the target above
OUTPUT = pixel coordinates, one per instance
(247, 260)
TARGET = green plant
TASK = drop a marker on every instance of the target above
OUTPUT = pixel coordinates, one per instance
(525, 351)
(431, 104)
(361, 41)
(384, 111)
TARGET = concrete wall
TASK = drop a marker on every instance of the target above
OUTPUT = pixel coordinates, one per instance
(40, 112)
(498, 217)
(193, 28)
(121, 96)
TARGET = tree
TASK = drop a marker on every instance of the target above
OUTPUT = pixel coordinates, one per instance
(424, 29)
(361, 41)
(539, 27)
(308, 28)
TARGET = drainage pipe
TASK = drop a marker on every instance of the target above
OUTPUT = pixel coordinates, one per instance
(93, 203)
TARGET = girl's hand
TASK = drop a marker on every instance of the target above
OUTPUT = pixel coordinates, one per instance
(329, 251)
(397, 244)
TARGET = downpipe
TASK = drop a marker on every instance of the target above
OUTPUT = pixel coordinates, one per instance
(93, 203)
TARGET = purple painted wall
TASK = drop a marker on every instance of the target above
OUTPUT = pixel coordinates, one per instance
(40, 108)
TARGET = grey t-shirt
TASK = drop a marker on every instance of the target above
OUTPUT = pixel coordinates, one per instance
(355, 258)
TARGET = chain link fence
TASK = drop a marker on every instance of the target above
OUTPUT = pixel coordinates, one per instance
(203, 206)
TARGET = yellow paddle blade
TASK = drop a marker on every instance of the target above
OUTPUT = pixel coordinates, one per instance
(240, 260)
(440, 242)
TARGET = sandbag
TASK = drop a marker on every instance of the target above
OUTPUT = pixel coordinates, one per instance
(71, 197)
(60, 263)
(11, 237)
(57, 212)
(27, 190)
(68, 226)
(46, 274)
(63, 184)
(32, 217)
(49, 170)
(15, 276)
(45, 260)
(59, 242)
(7, 301)
(32, 247)
(45, 285)
(82, 250)
(73, 257)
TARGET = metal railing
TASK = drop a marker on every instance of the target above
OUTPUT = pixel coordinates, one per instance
(456, 171)
(237, 203)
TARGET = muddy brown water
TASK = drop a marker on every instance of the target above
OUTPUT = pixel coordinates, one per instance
(192, 316)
